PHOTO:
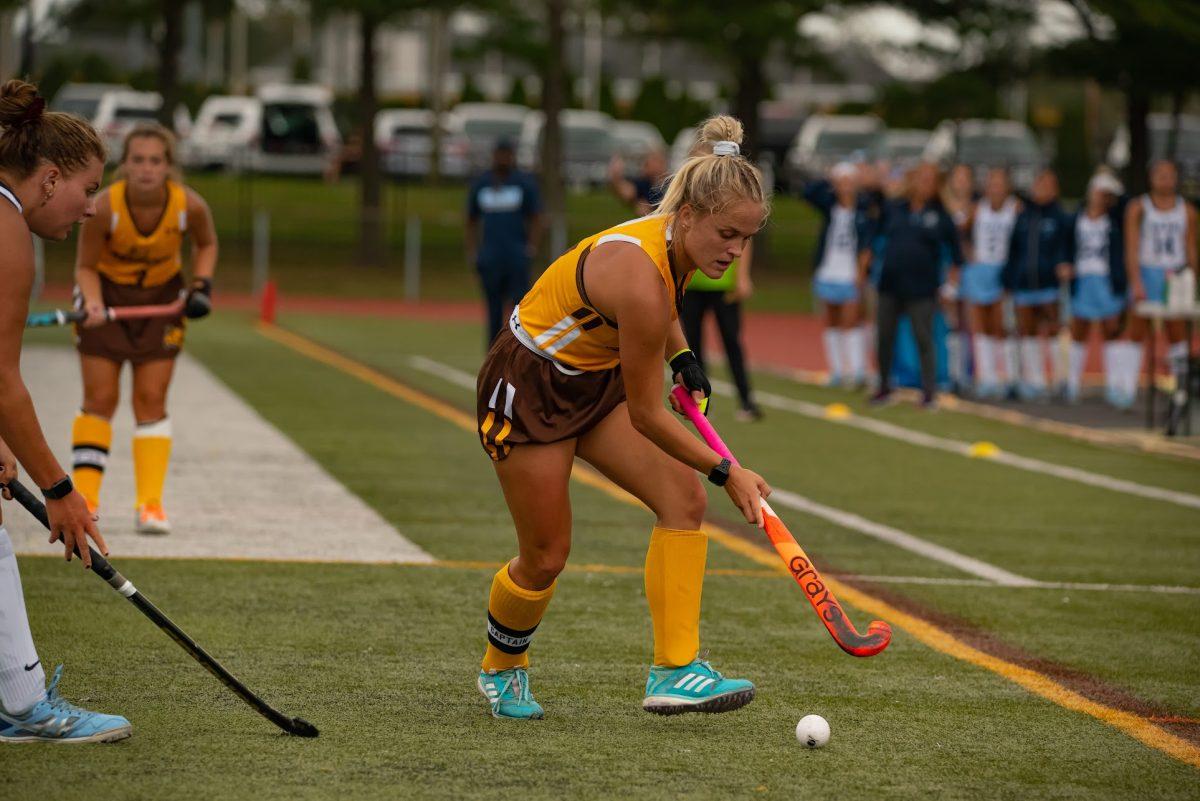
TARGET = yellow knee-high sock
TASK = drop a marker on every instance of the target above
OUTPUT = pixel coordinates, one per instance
(674, 581)
(151, 453)
(513, 615)
(91, 438)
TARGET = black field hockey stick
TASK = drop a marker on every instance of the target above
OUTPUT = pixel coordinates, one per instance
(101, 567)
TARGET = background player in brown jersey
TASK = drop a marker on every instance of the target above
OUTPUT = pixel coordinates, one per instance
(130, 254)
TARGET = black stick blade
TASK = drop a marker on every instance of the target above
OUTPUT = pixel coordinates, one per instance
(302, 728)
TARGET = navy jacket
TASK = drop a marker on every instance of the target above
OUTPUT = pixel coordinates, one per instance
(1040, 239)
(821, 195)
(504, 207)
(1116, 244)
(916, 246)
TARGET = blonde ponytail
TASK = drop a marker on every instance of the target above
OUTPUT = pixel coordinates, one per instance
(715, 174)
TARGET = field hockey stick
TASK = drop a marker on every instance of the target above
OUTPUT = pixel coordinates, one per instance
(102, 568)
(879, 633)
(111, 314)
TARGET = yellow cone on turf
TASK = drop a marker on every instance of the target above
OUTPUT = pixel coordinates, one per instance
(983, 450)
(837, 411)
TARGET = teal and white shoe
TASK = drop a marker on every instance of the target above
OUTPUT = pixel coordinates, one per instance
(507, 691)
(694, 688)
(55, 720)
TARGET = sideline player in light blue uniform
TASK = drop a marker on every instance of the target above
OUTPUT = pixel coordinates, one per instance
(841, 257)
(1096, 252)
(990, 227)
(1160, 238)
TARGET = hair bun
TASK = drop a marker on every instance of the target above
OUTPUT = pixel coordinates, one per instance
(20, 103)
(721, 128)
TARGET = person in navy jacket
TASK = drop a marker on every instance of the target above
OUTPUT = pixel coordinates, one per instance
(503, 229)
(1037, 264)
(919, 239)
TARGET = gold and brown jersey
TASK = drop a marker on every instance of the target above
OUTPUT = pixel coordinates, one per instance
(557, 319)
(132, 258)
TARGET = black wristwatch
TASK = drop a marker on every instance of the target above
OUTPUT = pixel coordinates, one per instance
(720, 474)
(61, 489)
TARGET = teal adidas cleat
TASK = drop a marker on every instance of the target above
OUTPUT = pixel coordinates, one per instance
(508, 693)
(55, 720)
(694, 688)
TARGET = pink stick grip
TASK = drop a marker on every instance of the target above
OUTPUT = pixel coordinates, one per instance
(701, 423)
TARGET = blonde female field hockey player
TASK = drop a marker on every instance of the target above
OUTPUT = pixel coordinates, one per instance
(131, 254)
(51, 165)
(578, 372)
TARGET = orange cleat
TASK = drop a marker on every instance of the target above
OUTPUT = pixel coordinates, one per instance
(151, 519)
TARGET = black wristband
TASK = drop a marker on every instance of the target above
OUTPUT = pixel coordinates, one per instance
(202, 285)
(720, 474)
(61, 489)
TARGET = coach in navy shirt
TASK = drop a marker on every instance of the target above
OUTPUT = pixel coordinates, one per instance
(503, 227)
(918, 237)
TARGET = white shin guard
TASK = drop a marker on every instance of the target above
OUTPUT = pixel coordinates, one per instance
(22, 679)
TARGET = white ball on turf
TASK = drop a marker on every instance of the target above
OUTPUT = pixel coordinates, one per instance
(812, 731)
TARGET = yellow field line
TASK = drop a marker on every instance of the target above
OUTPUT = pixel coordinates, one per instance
(1136, 726)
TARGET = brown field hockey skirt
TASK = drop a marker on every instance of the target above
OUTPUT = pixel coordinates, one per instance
(522, 398)
(134, 341)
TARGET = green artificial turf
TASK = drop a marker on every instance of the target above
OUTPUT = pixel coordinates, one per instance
(382, 658)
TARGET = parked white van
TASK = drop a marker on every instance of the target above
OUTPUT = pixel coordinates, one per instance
(296, 131)
(476, 127)
(405, 142)
(225, 128)
(587, 145)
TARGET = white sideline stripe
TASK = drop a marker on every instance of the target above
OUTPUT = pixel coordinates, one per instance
(1163, 589)
(700, 687)
(879, 531)
(893, 431)
(694, 684)
(901, 539)
(444, 371)
(679, 683)
(275, 501)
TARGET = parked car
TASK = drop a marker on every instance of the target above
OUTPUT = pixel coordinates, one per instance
(117, 113)
(903, 147)
(634, 139)
(476, 127)
(225, 127)
(405, 142)
(984, 144)
(83, 99)
(296, 132)
(681, 145)
(826, 139)
(778, 124)
(1187, 147)
(587, 140)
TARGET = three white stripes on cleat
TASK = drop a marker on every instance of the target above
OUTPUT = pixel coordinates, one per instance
(694, 683)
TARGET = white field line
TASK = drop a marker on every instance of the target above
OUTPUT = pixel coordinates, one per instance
(920, 438)
(791, 500)
(901, 539)
(1073, 586)
(988, 575)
